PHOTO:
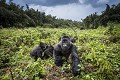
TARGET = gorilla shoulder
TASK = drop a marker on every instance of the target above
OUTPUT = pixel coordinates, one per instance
(57, 47)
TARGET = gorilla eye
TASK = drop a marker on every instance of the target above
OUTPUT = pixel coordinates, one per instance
(64, 40)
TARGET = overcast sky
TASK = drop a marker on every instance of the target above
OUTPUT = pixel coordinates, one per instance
(68, 9)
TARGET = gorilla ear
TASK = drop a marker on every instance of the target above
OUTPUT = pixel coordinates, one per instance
(73, 40)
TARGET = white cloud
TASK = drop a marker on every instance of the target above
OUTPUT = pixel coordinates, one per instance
(102, 1)
(70, 11)
(82, 1)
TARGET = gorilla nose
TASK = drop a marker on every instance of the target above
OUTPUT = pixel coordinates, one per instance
(64, 45)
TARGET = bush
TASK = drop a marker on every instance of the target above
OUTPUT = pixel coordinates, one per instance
(114, 32)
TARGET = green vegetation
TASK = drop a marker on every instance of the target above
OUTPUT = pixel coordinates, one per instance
(23, 28)
(110, 14)
(14, 15)
(99, 52)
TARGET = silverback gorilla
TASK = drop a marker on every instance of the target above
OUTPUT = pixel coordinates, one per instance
(42, 51)
(66, 49)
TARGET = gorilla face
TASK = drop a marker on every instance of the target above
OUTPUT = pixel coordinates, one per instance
(65, 43)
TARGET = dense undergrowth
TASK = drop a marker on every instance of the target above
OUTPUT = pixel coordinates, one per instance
(98, 49)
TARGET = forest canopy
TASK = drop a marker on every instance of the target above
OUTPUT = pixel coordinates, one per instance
(14, 15)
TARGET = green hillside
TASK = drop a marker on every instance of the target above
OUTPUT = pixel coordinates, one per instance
(99, 52)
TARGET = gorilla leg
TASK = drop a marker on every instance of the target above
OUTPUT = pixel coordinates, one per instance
(75, 67)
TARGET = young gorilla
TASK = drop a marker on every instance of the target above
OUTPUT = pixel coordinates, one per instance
(37, 51)
(66, 49)
(42, 51)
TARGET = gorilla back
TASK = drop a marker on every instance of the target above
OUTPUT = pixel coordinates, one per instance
(66, 49)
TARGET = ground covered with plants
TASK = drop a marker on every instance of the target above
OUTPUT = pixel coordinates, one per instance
(98, 49)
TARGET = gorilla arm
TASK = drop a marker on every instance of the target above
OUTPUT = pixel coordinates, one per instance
(75, 60)
(57, 55)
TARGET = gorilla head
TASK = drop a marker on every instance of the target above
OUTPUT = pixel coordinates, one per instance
(65, 43)
(42, 45)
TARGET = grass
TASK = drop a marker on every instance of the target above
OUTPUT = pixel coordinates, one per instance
(98, 54)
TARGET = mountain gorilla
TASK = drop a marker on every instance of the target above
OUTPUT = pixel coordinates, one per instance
(66, 49)
(37, 51)
(42, 51)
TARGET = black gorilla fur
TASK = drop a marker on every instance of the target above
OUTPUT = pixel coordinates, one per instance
(65, 48)
(42, 51)
(48, 52)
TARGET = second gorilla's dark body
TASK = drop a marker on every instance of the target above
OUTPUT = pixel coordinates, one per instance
(66, 49)
(42, 51)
